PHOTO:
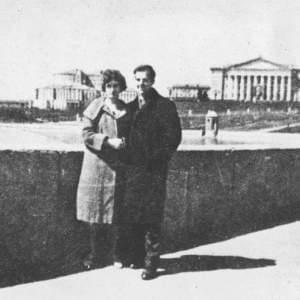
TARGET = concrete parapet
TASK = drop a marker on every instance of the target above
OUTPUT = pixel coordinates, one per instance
(212, 196)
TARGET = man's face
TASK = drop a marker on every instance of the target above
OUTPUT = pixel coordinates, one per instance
(143, 82)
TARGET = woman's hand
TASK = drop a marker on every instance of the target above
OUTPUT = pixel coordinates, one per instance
(116, 143)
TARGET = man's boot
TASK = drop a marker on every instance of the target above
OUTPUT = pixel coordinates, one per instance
(152, 246)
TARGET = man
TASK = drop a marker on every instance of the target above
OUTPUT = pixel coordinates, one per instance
(155, 135)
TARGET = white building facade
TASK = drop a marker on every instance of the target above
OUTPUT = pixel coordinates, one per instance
(187, 91)
(70, 90)
(73, 90)
(256, 80)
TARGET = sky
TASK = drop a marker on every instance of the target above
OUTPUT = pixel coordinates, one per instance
(182, 39)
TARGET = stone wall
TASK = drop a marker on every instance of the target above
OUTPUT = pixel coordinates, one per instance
(212, 196)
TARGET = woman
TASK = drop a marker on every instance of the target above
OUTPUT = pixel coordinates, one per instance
(101, 186)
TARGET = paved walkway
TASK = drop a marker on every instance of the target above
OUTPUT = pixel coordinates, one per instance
(264, 265)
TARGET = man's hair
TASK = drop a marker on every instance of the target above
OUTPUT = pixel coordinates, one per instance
(108, 75)
(146, 68)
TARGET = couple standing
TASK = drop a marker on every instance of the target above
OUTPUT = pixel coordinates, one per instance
(124, 170)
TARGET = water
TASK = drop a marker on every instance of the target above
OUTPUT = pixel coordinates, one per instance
(289, 129)
(214, 141)
(68, 136)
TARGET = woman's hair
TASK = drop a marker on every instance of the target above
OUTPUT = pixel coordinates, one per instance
(109, 75)
(146, 68)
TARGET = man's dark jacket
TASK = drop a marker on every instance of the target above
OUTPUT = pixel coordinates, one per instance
(155, 135)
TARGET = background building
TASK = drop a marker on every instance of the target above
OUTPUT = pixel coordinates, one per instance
(186, 92)
(256, 80)
(21, 104)
(73, 90)
(70, 90)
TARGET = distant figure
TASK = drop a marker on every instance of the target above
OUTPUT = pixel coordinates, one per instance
(155, 135)
(78, 117)
(106, 125)
(204, 97)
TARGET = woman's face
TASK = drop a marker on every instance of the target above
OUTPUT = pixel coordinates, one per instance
(112, 89)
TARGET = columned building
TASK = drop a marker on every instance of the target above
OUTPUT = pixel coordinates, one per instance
(256, 80)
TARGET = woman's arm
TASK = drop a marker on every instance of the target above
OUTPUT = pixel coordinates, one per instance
(98, 141)
(93, 140)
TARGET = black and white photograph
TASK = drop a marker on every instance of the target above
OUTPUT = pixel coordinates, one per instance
(150, 149)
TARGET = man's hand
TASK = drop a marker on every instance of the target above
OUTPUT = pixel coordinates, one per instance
(116, 143)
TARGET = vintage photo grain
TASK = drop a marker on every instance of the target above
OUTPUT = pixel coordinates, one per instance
(150, 149)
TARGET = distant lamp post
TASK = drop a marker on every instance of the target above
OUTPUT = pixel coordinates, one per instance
(216, 94)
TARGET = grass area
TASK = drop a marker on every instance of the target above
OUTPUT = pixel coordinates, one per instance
(243, 120)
